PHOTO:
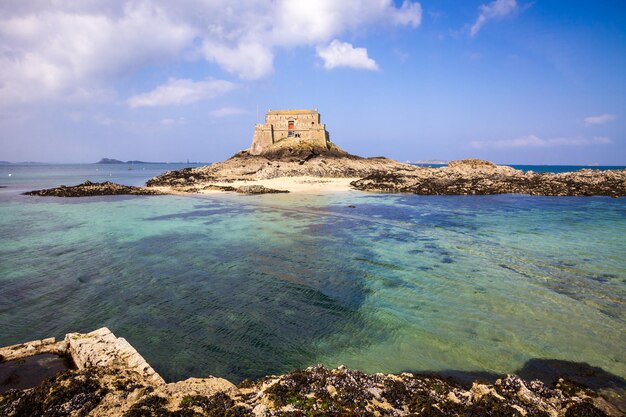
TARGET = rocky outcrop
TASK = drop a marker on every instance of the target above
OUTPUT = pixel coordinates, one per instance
(102, 349)
(464, 177)
(90, 189)
(284, 161)
(112, 379)
(474, 176)
(258, 189)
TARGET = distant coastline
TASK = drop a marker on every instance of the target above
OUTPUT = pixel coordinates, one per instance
(554, 168)
(105, 161)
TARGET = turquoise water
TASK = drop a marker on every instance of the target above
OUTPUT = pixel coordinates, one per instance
(244, 286)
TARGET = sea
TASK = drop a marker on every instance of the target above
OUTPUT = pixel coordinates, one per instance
(241, 286)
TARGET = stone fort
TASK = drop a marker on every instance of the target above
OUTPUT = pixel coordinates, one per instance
(286, 126)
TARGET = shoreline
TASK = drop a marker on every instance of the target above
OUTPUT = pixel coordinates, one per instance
(297, 185)
(464, 177)
(112, 379)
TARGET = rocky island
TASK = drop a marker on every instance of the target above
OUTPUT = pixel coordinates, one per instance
(292, 152)
(109, 377)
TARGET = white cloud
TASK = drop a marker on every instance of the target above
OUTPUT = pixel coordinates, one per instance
(308, 22)
(533, 141)
(177, 92)
(495, 9)
(409, 14)
(228, 112)
(64, 53)
(341, 54)
(78, 49)
(599, 120)
(249, 60)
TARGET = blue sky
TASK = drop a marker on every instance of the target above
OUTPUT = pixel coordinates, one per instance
(539, 82)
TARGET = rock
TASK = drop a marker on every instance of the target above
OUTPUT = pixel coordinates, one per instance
(260, 410)
(91, 189)
(471, 163)
(478, 177)
(289, 160)
(35, 347)
(258, 189)
(101, 348)
(112, 379)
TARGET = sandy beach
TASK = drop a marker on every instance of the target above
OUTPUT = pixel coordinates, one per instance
(297, 185)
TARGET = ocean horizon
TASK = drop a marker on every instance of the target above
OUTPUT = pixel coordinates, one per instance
(245, 286)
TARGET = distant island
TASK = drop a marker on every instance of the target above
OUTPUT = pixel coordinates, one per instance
(117, 161)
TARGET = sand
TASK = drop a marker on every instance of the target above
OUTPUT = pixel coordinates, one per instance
(296, 185)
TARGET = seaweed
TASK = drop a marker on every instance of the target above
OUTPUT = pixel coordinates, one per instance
(217, 405)
(584, 409)
(67, 392)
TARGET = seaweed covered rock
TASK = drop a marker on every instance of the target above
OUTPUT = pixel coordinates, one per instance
(315, 391)
(112, 379)
(91, 189)
(258, 189)
(318, 391)
(68, 393)
(478, 177)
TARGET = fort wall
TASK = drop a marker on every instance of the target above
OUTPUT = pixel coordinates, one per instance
(286, 125)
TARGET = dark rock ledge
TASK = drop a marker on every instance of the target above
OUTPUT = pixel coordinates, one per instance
(112, 379)
(478, 177)
(90, 189)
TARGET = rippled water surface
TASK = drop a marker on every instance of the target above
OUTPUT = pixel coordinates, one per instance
(244, 286)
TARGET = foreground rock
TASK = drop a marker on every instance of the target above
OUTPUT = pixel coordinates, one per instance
(90, 189)
(474, 176)
(112, 379)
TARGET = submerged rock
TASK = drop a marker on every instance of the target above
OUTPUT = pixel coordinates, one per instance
(91, 189)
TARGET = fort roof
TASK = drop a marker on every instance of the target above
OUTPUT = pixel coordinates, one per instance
(291, 111)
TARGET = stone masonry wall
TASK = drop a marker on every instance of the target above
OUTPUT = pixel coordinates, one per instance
(306, 126)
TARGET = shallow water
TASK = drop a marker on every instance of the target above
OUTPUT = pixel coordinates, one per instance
(244, 286)
(30, 371)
